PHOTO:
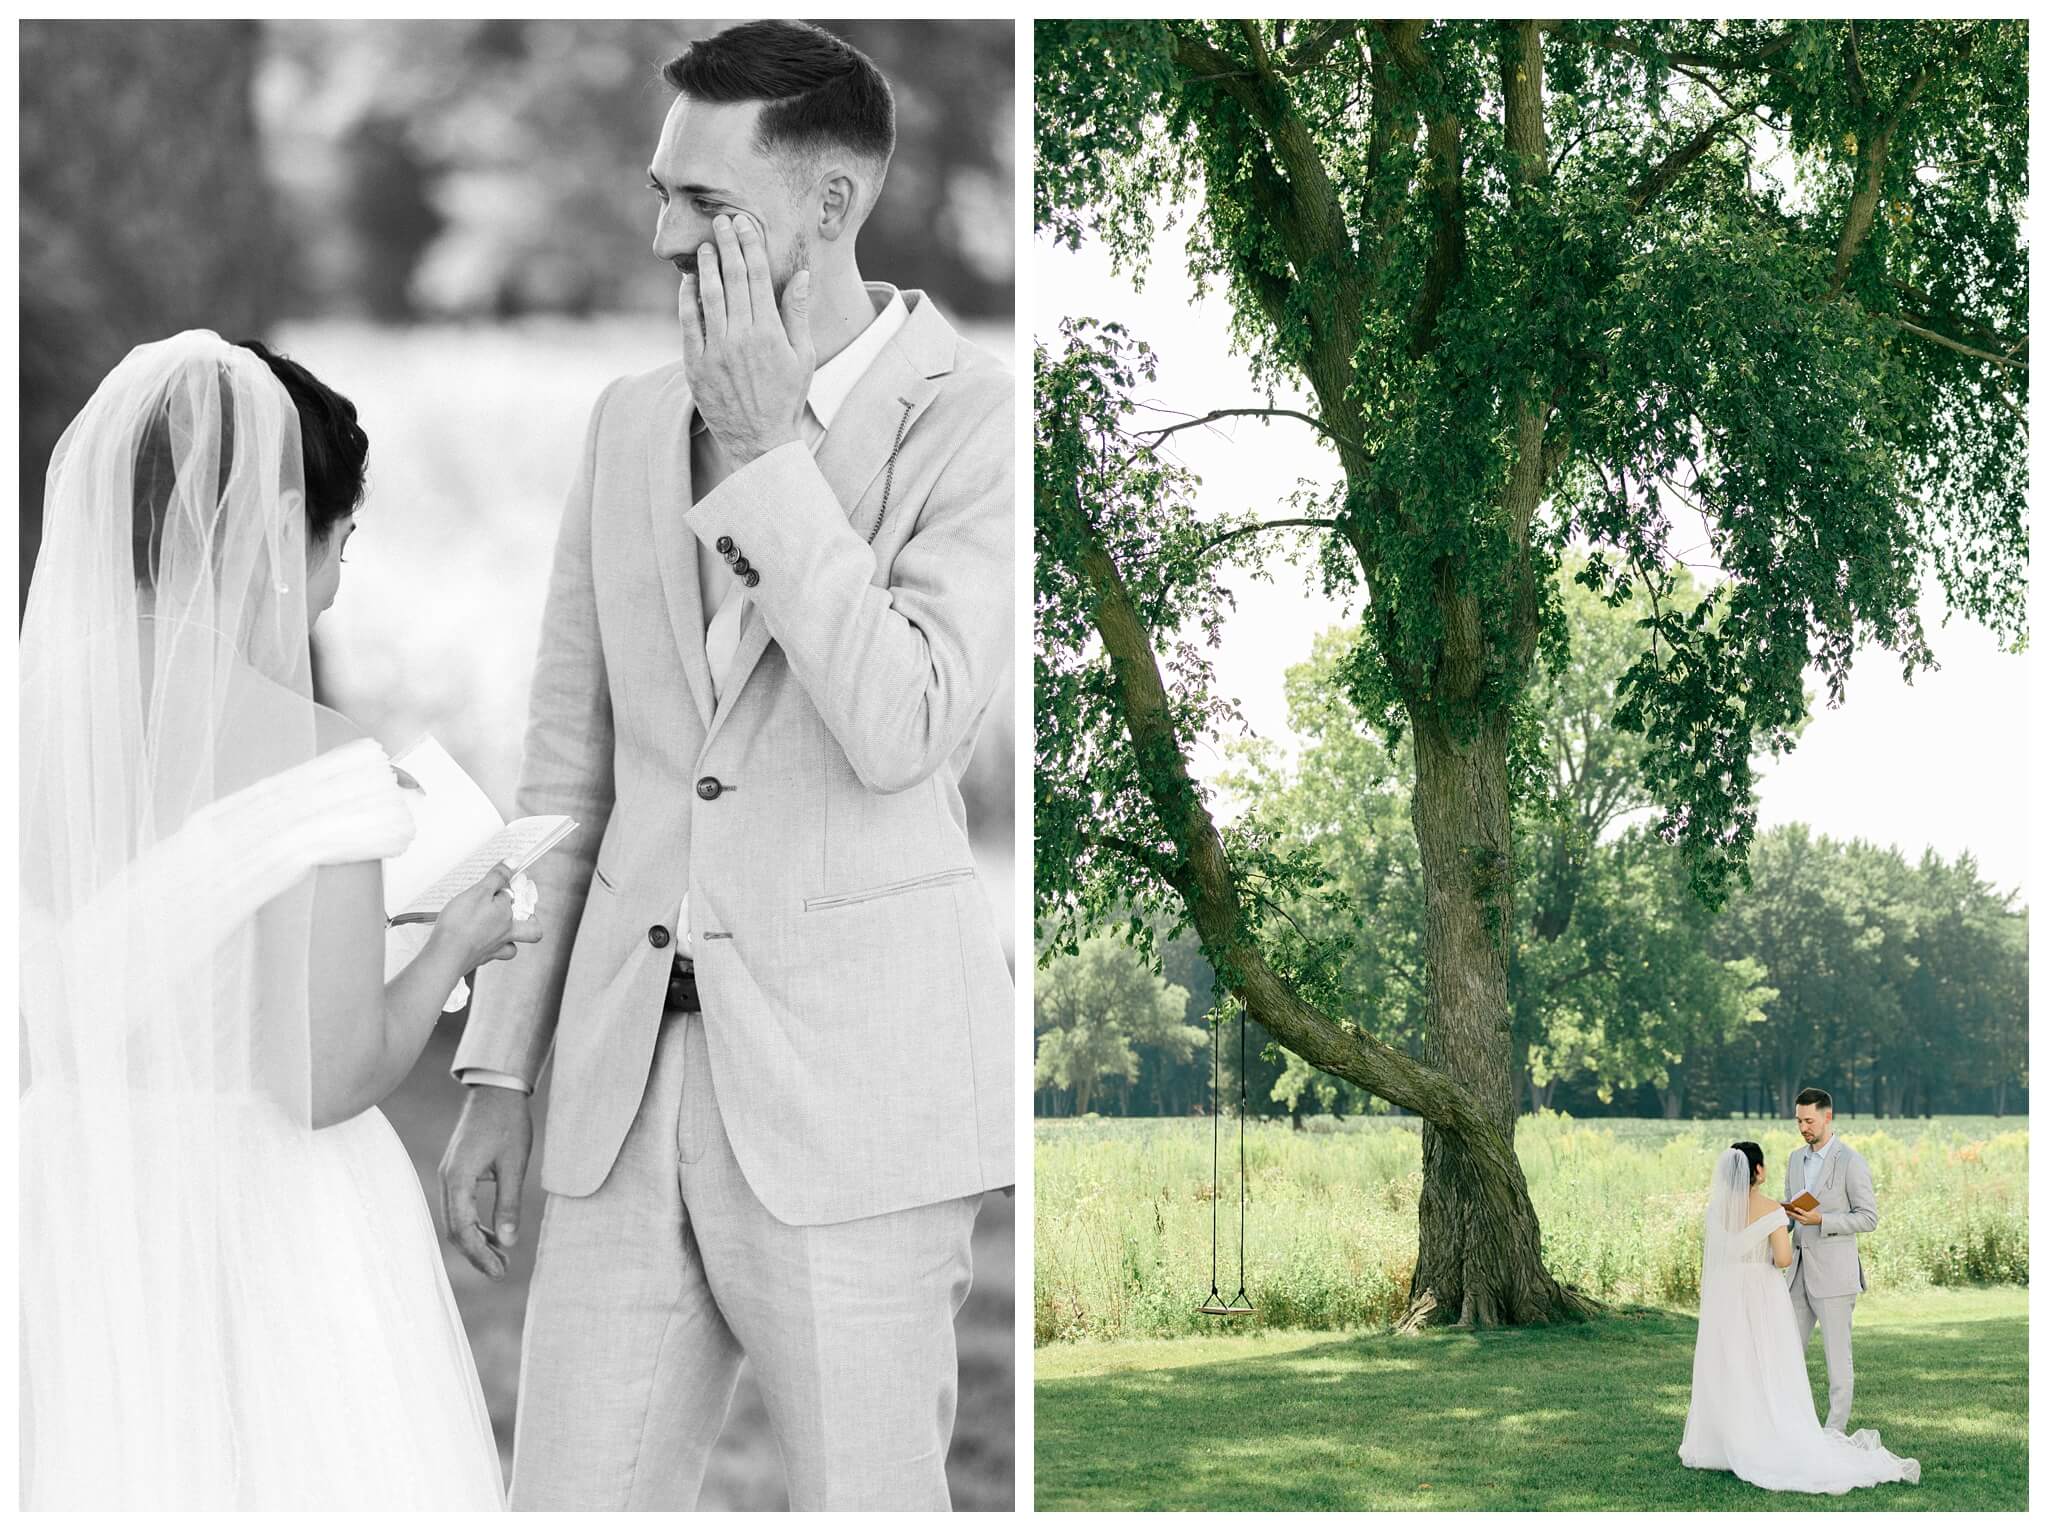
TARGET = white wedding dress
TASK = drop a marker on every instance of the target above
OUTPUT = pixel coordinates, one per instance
(220, 1306)
(1752, 1408)
(336, 1375)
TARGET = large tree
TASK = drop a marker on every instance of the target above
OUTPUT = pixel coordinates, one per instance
(1532, 278)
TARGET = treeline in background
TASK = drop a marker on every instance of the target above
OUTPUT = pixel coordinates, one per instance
(448, 222)
(1898, 984)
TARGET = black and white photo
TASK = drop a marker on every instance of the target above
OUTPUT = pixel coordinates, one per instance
(638, 395)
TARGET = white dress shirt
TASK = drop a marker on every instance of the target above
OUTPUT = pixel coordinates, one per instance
(724, 598)
(1813, 1161)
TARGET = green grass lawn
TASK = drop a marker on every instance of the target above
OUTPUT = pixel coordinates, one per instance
(1581, 1417)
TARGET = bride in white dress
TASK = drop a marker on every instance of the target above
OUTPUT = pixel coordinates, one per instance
(231, 1290)
(1752, 1408)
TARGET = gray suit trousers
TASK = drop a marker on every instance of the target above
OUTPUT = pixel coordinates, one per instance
(1833, 1316)
(648, 1292)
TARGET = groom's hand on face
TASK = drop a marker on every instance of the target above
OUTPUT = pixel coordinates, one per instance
(749, 362)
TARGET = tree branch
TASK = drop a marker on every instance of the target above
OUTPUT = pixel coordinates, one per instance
(1443, 183)
(1757, 60)
(1301, 205)
(2005, 359)
(1311, 53)
(1873, 154)
(1158, 864)
(1661, 177)
(1264, 526)
(1225, 414)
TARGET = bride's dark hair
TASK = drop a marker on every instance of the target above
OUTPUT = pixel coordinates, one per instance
(334, 452)
(335, 449)
(1754, 1154)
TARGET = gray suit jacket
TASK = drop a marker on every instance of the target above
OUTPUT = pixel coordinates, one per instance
(1826, 1257)
(856, 1002)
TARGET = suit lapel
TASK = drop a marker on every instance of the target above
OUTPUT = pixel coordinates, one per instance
(675, 546)
(869, 430)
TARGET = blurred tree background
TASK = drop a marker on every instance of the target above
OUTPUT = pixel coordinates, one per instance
(446, 221)
(229, 174)
(144, 210)
(487, 169)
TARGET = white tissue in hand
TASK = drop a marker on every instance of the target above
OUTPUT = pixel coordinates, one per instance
(525, 897)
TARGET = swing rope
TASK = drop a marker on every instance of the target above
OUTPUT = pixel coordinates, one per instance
(1243, 1185)
(1241, 1304)
(1215, 1148)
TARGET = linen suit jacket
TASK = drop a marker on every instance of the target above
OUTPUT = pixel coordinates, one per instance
(1827, 1257)
(856, 1002)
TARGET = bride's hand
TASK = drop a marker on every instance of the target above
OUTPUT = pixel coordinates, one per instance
(478, 924)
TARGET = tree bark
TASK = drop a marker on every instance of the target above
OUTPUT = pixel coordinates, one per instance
(1480, 1260)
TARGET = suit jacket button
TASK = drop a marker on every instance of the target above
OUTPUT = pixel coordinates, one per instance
(708, 787)
(729, 555)
(657, 936)
(742, 568)
(724, 544)
(753, 578)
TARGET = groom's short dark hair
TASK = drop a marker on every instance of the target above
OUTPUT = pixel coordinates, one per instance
(818, 91)
(1819, 1098)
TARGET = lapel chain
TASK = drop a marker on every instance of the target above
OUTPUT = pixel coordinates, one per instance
(889, 479)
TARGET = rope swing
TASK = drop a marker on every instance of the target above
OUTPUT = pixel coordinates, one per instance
(1239, 1305)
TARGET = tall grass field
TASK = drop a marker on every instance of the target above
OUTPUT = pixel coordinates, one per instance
(1123, 1214)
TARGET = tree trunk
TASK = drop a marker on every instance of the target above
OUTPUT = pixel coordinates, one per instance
(1672, 1097)
(1480, 1259)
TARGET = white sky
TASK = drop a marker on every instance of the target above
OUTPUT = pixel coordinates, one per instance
(1940, 763)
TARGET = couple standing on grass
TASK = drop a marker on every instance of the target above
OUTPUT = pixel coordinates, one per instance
(1774, 1271)
(774, 995)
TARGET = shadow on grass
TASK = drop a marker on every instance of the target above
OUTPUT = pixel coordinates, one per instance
(1586, 1417)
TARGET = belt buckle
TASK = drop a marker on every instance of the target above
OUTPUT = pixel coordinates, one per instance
(682, 985)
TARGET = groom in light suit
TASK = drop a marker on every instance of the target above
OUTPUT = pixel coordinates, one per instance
(777, 1005)
(1827, 1272)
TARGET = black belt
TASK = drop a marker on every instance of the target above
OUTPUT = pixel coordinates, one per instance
(682, 985)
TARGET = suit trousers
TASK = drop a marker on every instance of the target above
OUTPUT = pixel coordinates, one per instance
(648, 1292)
(1833, 1316)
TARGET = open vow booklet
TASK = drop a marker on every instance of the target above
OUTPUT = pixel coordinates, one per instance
(458, 838)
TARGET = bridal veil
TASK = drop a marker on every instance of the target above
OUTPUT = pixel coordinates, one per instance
(173, 803)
